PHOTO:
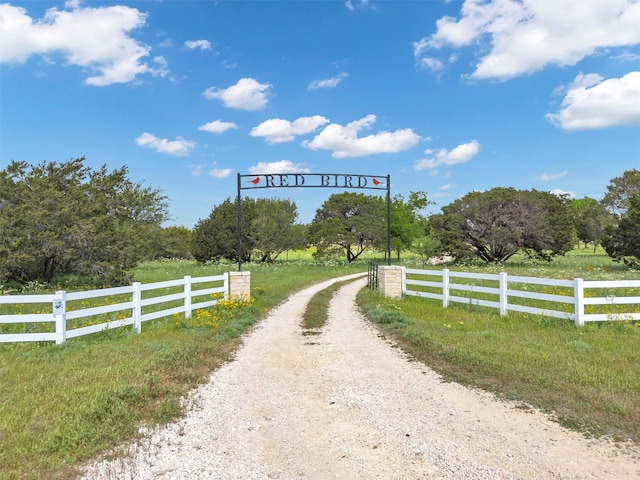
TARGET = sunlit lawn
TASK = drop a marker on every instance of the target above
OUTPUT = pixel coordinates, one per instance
(63, 404)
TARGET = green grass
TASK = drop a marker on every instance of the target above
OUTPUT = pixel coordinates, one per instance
(588, 377)
(317, 311)
(61, 405)
(579, 263)
(64, 404)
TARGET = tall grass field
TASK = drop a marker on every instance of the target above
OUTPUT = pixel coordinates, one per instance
(62, 405)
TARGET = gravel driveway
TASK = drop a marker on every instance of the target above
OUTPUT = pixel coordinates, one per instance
(346, 404)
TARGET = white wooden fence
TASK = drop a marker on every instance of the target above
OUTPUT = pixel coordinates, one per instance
(506, 293)
(125, 306)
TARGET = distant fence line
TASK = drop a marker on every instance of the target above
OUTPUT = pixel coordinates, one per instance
(128, 301)
(510, 293)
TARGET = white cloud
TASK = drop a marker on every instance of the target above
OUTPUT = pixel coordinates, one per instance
(353, 4)
(217, 126)
(562, 193)
(283, 166)
(460, 154)
(547, 177)
(220, 173)
(431, 63)
(178, 147)
(328, 82)
(201, 44)
(247, 94)
(344, 140)
(592, 102)
(277, 130)
(525, 36)
(96, 39)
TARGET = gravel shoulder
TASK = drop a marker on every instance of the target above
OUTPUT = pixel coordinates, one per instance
(346, 404)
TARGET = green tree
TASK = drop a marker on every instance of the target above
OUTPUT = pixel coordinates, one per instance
(216, 237)
(272, 228)
(61, 219)
(349, 223)
(620, 190)
(407, 223)
(428, 247)
(268, 229)
(590, 218)
(496, 224)
(622, 241)
(175, 242)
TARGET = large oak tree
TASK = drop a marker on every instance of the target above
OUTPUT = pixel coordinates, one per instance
(349, 223)
(496, 224)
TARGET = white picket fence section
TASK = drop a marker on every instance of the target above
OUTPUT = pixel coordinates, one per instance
(133, 307)
(443, 285)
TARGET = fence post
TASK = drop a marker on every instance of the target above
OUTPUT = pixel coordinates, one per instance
(60, 316)
(578, 289)
(504, 301)
(137, 307)
(445, 287)
(404, 280)
(187, 296)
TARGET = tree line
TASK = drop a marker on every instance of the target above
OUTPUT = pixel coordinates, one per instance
(67, 223)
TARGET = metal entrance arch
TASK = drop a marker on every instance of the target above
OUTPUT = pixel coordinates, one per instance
(313, 180)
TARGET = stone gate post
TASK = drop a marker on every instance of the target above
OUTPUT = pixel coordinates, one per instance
(390, 280)
(240, 284)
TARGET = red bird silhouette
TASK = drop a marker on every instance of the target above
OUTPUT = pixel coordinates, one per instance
(376, 181)
(255, 181)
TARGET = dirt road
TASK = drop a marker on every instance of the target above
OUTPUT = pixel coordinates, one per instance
(346, 404)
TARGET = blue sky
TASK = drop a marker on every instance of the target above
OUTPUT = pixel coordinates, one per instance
(446, 97)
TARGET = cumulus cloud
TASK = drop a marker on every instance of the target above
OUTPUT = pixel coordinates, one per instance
(460, 154)
(96, 39)
(199, 169)
(247, 94)
(344, 140)
(178, 147)
(283, 166)
(201, 44)
(328, 82)
(592, 102)
(277, 130)
(547, 177)
(525, 36)
(220, 173)
(217, 126)
(562, 193)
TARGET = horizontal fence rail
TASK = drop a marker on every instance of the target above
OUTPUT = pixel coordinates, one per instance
(577, 300)
(64, 315)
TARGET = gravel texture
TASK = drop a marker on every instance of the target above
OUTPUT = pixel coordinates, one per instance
(346, 404)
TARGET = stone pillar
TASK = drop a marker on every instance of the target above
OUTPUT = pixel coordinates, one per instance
(390, 280)
(240, 284)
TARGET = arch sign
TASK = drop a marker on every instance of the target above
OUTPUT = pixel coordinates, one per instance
(313, 180)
